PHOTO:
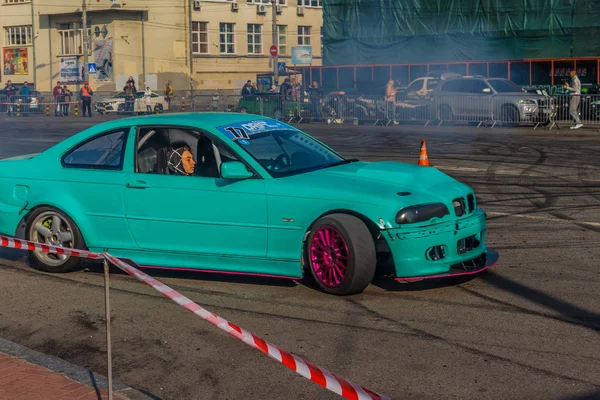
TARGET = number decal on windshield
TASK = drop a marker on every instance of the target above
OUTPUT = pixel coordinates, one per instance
(238, 133)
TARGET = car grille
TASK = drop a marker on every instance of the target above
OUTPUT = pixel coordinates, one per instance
(464, 206)
(467, 244)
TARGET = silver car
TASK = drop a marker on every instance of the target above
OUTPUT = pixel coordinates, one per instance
(477, 99)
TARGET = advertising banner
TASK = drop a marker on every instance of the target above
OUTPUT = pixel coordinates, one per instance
(103, 58)
(301, 55)
(15, 61)
(71, 69)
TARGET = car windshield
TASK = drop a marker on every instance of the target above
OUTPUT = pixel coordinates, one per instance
(285, 151)
(504, 86)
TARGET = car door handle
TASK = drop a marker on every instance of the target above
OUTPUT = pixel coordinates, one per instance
(137, 185)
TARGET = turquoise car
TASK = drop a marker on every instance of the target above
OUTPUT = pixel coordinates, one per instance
(243, 194)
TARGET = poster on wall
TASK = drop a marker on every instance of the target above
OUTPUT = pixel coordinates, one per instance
(301, 55)
(103, 58)
(15, 61)
(71, 69)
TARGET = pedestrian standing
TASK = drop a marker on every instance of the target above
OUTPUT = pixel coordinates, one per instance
(85, 94)
(168, 93)
(148, 100)
(67, 100)
(315, 100)
(575, 91)
(57, 92)
(390, 99)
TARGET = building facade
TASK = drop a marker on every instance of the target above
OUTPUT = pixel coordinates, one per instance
(217, 43)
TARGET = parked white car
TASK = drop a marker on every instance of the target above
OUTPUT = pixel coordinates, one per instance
(116, 104)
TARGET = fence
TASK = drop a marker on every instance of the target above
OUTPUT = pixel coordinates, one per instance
(527, 109)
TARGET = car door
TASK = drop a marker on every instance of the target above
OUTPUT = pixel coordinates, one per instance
(90, 186)
(197, 214)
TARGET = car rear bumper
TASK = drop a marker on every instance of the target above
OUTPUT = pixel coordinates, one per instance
(446, 249)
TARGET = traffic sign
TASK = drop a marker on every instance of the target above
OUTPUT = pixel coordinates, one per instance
(92, 68)
(273, 50)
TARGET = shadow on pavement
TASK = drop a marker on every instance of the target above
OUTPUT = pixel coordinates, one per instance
(570, 311)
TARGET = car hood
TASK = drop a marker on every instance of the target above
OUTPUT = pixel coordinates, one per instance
(381, 182)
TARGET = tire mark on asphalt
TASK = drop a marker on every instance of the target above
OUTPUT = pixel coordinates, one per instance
(549, 199)
(467, 348)
(411, 332)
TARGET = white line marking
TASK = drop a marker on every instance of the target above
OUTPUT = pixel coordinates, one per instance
(532, 174)
(540, 218)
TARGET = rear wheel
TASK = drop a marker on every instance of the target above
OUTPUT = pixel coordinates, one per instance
(340, 254)
(50, 226)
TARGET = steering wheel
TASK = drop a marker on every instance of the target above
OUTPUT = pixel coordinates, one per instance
(281, 161)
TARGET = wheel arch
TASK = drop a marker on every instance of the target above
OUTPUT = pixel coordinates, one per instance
(371, 226)
(77, 218)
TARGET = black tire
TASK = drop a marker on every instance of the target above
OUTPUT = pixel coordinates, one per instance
(40, 260)
(361, 255)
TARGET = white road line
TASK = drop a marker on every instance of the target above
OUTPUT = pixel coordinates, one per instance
(515, 173)
(540, 218)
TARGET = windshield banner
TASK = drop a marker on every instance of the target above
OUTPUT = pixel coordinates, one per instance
(243, 130)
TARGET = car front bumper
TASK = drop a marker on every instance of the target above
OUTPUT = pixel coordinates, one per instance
(446, 249)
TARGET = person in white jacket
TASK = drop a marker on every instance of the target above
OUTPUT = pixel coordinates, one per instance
(575, 90)
(148, 100)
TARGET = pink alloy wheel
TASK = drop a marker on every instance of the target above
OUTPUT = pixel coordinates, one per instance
(329, 256)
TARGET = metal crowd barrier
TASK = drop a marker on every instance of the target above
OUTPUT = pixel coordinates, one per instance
(531, 109)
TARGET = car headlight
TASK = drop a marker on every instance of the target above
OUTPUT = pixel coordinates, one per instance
(528, 102)
(421, 213)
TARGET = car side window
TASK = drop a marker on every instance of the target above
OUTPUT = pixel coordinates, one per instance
(415, 86)
(479, 86)
(102, 152)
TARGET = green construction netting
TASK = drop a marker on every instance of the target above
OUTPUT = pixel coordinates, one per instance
(427, 31)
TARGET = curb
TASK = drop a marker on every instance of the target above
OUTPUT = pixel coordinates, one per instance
(71, 371)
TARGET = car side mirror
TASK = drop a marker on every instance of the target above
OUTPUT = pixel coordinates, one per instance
(235, 170)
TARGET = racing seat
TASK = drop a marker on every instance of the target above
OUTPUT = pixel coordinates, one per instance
(206, 163)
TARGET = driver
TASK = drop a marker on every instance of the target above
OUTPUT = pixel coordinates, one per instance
(181, 161)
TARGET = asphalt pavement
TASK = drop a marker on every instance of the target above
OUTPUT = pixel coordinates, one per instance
(527, 329)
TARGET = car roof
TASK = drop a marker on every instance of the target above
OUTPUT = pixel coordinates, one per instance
(203, 120)
(208, 121)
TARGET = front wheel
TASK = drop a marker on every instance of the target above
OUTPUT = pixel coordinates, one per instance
(52, 227)
(340, 254)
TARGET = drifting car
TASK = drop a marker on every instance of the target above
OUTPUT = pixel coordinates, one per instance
(263, 198)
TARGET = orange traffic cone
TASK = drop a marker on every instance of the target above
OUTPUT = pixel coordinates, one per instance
(423, 159)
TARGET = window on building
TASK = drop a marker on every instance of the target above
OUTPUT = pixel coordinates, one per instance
(282, 39)
(267, 2)
(227, 38)
(322, 49)
(310, 3)
(18, 36)
(200, 37)
(70, 39)
(254, 39)
(304, 35)
(16, 1)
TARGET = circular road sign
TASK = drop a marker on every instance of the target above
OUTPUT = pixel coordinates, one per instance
(273, 50)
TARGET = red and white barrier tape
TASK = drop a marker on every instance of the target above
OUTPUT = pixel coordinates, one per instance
(15, 243)
(308, 370)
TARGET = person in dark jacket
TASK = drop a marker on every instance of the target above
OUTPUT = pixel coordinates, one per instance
(315, 93)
